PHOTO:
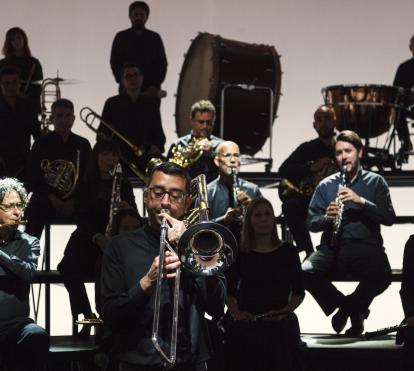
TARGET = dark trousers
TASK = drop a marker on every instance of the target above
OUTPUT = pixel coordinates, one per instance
(264, 346)
(366, 263)
(295, 211)
(38, 211)
(24, 348)
(79, 262)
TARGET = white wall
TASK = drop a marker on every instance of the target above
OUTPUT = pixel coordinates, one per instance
(322, 43)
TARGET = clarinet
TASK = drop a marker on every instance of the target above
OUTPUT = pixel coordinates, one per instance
(115, 198)
(337, 224)
(385, 331)
(236, 188)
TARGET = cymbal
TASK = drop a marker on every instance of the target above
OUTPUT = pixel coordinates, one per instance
(56, 80)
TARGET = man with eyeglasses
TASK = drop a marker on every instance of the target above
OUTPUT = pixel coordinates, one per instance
(129, 274)
(227, 203)
(203, 115)
(24, 346)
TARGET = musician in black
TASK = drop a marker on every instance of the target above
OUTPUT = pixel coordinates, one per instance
(135, 116)
(404, 78)
(24, 345)
(142, 46)
(407, 299)
(301, 172)
(92, 208)
(349, 207)
(203, 115)
(18, 123)
(17, 54)
(56, 163)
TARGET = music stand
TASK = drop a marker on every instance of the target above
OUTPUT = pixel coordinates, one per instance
(241, 103)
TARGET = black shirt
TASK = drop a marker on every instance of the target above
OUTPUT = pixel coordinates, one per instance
(52, 147)
(17, 126)
(139, 121)
(146, 49)
(129, 310)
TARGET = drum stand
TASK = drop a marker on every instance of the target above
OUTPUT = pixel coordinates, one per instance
(247, 159)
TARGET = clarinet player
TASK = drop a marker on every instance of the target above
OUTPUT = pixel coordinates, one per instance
(358, 247)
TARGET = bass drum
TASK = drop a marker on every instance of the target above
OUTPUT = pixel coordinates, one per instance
(213, 62)
(369, 110)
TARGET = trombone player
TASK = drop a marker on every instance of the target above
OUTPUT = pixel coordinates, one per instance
(129, 275)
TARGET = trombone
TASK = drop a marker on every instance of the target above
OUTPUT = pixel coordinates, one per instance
(89, 117)
(205, 248)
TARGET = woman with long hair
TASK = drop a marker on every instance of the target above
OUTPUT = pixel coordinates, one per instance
(265, 287)
(17, 54)
(92, 208)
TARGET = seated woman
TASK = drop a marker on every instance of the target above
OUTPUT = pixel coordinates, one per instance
(265, 287)
(17, 54)
(92, 206)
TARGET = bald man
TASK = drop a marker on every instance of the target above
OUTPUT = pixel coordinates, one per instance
(228, 194)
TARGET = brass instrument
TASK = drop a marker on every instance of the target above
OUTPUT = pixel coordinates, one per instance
(61, 175)
(337, 224)
(205, 248)
(89, 116)
(306, 185)
(181, 155)
(50, 92)
(115, 198)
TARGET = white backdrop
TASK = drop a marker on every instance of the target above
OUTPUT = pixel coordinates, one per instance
(321, 42)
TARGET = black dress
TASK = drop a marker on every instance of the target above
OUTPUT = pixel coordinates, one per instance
(262, 282)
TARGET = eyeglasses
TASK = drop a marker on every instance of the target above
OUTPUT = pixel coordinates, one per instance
(175, 195)
(8, 207)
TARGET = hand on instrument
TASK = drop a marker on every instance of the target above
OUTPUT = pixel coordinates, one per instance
(332, 211)
(171, 263)
(243, 199)
(176, 228)
(205, 145)
(346, 194)
(233, 215)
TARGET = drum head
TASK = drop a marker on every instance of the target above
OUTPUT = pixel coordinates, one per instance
(369, 110)
(212, 63)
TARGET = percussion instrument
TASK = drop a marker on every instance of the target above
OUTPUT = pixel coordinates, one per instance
(369, 110)
(213, 62)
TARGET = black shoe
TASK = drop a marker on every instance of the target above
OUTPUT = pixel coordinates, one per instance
(339, 320)
(357, 328)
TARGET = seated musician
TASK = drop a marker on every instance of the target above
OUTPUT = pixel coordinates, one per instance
(56, 162)
(228, 194)
(203, 115)
(404, 78)
(17, 54)
(18, 123)
(407, 299)
(92, 208)
(265, 281)
(301, 172)
(24, 346)
(134, 116)
(349, 207)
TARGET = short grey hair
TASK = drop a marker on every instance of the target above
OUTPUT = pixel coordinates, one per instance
(203, 106)
(8, 185)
